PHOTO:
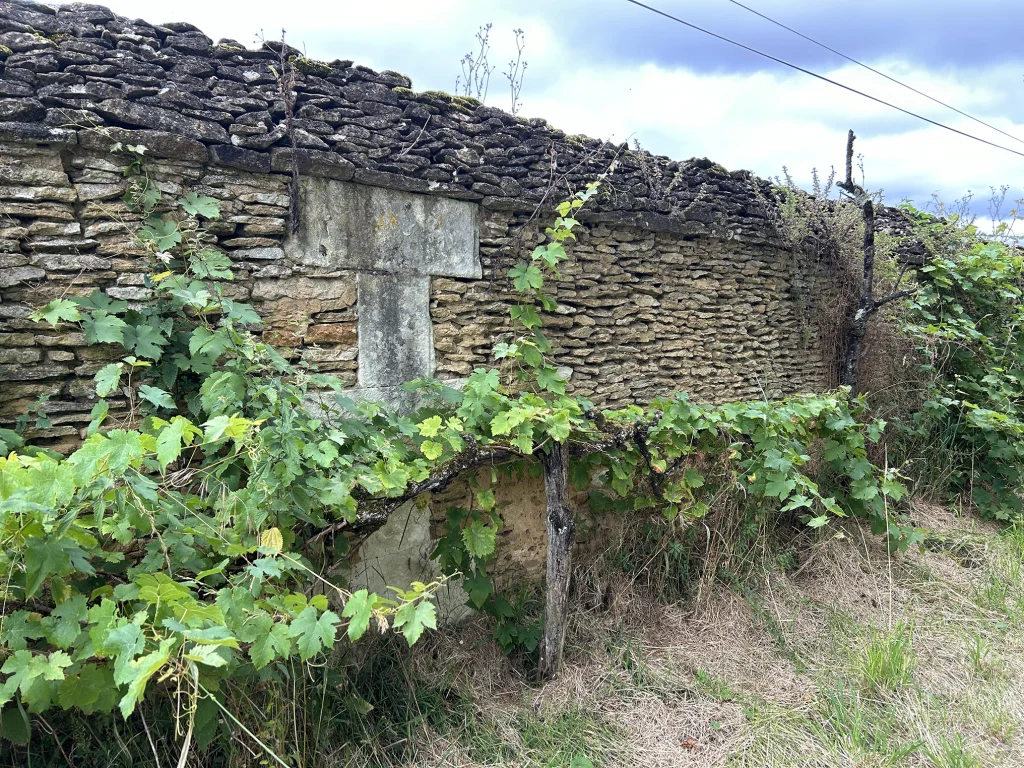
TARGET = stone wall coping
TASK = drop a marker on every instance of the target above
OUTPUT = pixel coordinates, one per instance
(66, 71)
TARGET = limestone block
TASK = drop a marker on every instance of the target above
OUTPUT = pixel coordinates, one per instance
(399, 554)
(337, 293)
(394, 321)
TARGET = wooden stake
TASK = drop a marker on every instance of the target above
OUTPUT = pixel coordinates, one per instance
(561, 531)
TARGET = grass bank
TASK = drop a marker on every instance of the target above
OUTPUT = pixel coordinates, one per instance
(833, 655)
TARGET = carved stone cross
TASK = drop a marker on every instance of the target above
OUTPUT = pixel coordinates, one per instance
(395, 242)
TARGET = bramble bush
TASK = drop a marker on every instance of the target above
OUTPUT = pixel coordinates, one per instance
(189, 543)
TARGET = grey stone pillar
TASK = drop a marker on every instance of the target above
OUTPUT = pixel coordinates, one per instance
(395, 241)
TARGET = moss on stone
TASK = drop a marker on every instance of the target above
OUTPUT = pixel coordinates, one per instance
(311, 66)
(392, 73)
(708, 165)
(405, 93)
(5, 51)
(447, 98)
(467, 101)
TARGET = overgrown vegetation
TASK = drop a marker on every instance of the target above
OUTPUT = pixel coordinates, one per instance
(184, 561)
(966, 322)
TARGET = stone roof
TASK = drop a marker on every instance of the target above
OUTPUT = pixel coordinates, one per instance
(67, 69)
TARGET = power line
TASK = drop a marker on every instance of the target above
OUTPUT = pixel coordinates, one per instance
(822, 77)
(872, 69)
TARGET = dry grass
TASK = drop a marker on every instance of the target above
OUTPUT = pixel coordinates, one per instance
(802, 668)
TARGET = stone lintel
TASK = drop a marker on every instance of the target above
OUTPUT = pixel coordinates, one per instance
(371, 229)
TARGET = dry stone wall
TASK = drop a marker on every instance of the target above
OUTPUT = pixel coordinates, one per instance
(644, 312)
(676, 282)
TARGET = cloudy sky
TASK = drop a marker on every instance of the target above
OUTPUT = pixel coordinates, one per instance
(612, 70)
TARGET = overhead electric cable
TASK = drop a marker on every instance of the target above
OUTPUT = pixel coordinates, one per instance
(872, 69)
(822, 77)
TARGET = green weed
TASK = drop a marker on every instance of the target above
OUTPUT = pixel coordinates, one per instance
(888, 660)
(859, 728)
(952, 752)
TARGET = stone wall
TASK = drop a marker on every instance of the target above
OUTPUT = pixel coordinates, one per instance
(410, 209)
(642, 311)
(676, 282)
(646, 312)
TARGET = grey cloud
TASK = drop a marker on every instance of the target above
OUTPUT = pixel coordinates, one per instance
(935, 34)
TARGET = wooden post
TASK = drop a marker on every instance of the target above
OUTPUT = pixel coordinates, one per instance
(850, 138)
(561, 533)
(865, 304)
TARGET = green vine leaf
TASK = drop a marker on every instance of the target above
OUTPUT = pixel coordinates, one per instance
(107, 378)
(430, 427)
(413, 618)
(479, 587)
(479, 539)
(431, 450)
(61, 310)
(103, 328)
(156, 396)
(200, 205)
(63, 626)
(358, 610)
(313, 633)
(162, 232)
(779, 486)
(138, 672)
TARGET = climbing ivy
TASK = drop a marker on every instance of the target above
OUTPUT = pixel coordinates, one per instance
(192, 539)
